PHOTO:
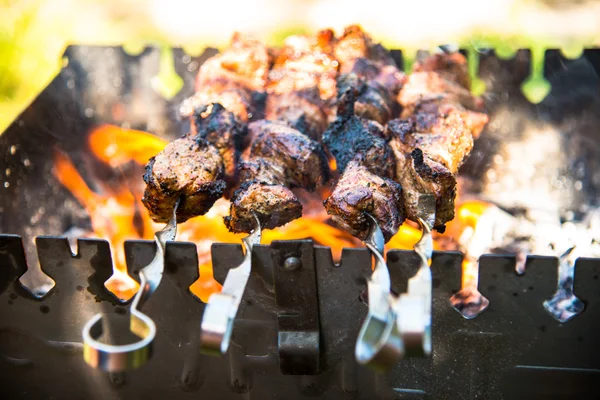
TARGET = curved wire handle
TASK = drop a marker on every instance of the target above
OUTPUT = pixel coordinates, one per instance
(217, 322)
(379, 344)
(115, 358)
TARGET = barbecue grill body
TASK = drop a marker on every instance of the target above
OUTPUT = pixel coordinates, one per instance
(513, 350)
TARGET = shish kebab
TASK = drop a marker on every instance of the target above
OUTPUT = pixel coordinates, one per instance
(279, 158)
(366, 201)
(370, 86)
(438, 96)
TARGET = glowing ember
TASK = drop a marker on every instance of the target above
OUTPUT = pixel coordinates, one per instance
(117, 213)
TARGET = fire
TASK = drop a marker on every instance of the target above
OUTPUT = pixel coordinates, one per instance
(117, 213)
(462, 229)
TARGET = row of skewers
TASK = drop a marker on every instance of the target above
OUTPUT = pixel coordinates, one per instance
(266, 123)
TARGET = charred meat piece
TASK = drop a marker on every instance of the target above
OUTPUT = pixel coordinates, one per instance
(356, 44)
(280, 158)
(373, 101)
(188, 168)
(436, 133)
(305, 62)
(445, 138)
(429, 149)
(302, 109)
(433, 88)
(366, 164)
(243, 65)
(359, 191)
(453, 66)
(234, 78)
(349, 137)
(274, 205)
(358, 54)
(302, 83)
(302, 160)
(237, 101)
(441, 79)
(221, 129)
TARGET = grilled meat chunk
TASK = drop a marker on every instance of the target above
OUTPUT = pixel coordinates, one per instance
(380, 77)
(445, 138)
(274, 205)
(237, 101)
(436, 133)
(188, 168)
(305, 62)
(243, 65)
(221, 129)
(441, 79)
(280, 158)
(366, 164)
(354, 45)
(373, 101)
(429, 150)
(302, 83)
(303, 110)
(234, 78)
(359, 191)
(349, 137)
(302, 160)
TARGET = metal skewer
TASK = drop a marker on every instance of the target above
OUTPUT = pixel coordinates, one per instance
(413, 308)
(379, 344)
(217, 322)
(116, 358)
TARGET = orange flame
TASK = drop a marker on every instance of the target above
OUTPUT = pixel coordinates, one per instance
(112, 214)
(468, 215)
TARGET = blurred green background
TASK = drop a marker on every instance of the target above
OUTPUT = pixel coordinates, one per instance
(34, 33)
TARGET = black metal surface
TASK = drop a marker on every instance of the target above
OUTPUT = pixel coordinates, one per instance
(296, 295)
(513, 350)
(505, 353)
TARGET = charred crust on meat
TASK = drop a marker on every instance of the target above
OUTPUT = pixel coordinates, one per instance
(188, 168)
(273, 204)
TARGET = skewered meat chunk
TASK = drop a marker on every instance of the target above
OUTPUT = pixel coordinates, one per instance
(302, 160)
(237, 101)
(373, 102)
(372, 71)
(274, 205)
(428, 152)
(355, 45)
(280, 158)
(349, 137)
(302, 83)
(359, 191)
(305, 62)
(234, 78)
(188, 168)
(243, 65)
(440, 79)
(221, 129)
(366, 163)
(302, 109)
(436, 134)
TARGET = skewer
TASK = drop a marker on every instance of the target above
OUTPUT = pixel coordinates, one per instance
(413, 308)
(379, 345)
(117, 358)
(217, 322)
